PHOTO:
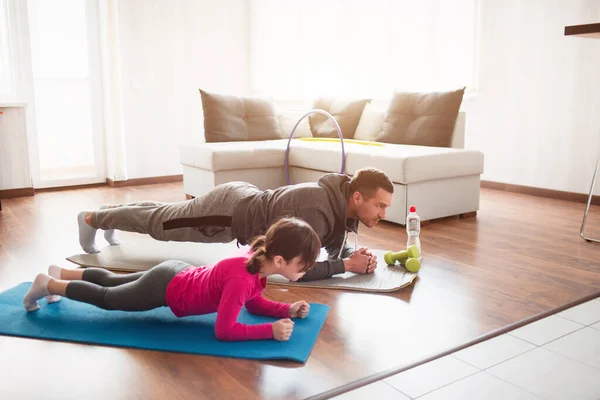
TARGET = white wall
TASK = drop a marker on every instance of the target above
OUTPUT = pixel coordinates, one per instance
(170, 49)
(536, 115)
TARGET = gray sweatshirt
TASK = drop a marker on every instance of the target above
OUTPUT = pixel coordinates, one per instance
(322, 204)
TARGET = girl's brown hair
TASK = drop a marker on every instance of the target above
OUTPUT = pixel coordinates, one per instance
(288, 238)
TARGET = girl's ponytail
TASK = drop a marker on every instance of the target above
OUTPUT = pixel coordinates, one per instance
(259, 252)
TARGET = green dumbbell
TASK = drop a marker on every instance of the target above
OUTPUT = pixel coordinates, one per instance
(391, 257)
(413, 265)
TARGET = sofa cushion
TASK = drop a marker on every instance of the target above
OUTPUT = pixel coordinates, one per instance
(403, 164)
(288, 119)
(231, 118)
(370, 125)
(345, 111)
(423, 119)
(234, 155)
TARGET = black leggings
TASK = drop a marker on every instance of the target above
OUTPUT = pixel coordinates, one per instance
(140, 291)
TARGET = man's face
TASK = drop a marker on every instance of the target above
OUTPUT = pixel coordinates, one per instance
(370, 211)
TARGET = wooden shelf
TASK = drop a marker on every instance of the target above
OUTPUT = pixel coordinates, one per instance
(587, 30)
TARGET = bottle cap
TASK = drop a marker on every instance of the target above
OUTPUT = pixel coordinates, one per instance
(413, 209)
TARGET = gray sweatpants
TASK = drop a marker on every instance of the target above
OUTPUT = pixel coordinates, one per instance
(149, 217)
(140, 291)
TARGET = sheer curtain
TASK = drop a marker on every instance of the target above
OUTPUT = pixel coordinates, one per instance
(110, 48)
(303, 49)
(9, 49)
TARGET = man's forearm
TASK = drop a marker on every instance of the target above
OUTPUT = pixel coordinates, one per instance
(323, 270)
(347, 251)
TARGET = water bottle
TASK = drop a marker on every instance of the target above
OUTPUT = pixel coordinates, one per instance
(413, 228)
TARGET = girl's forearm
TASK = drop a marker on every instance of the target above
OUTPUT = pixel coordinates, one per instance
(238, 332)
(262, 306)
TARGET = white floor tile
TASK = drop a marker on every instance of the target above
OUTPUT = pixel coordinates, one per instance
(479, 386)
(545, 330)
(587, 313)
(374, 391)
(550, 375)
(596, 326)
(494, 351)
(431, 376)
(583, 345)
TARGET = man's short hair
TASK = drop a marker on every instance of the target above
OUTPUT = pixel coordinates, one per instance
(367, 181)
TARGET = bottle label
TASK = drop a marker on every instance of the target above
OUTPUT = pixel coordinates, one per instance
(413, 225)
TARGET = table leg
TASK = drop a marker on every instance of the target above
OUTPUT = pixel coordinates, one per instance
(587, 207)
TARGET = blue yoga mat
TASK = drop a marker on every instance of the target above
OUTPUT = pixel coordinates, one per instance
(157, 329)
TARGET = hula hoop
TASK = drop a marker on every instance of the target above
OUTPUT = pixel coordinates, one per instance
(337, 127)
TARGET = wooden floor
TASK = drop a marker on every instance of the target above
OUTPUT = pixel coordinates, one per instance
(521, 256)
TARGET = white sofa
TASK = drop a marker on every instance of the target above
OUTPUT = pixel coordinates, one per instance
(440, 182)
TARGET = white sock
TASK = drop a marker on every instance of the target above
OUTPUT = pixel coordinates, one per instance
(55, 271)
(110, 234)
(39, 289)
(87, 235)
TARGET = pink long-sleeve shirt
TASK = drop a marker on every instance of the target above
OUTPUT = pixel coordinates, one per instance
(225, 288)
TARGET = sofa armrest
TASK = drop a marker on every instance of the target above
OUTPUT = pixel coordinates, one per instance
(223, 156)
(458, 136)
